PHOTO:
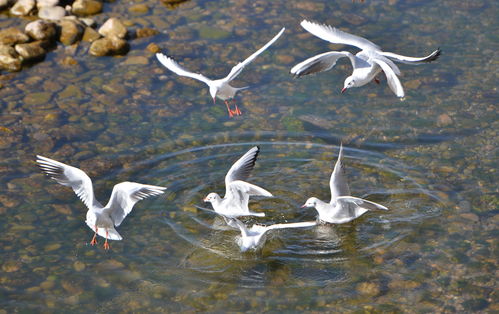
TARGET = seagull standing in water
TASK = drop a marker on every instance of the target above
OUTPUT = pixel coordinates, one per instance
(237, 191)
(252, 237)
(342, 208)
(101, 219)
(367, 63)
(218, 88)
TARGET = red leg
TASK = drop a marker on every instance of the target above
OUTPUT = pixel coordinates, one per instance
(94, 240)
(106, 245)
(376, 80)
(228, 109)
(236, 111)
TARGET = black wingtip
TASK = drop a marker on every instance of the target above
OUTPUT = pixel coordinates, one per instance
(434, 55)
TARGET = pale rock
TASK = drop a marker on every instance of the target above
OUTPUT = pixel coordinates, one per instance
(41, 30)
(22, 7)
(113, 27)
(51, 13)
(9, 59)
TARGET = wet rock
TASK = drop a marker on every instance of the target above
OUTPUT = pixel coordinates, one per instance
(213, 33)
(46, 3)
(51, 13)
(90, 35)
(137, 60)
(113, 28)
(71, 32)
(146, 32)
(138, 9)
(368, 288)
(41, 30)
(4, 4)
(79, 266)
(33, 51)
(34, 99)
(11, 266)
(110, 265)
(109, 47)
(88, 21)
(22, 7)
(9, 59)
(12, 36)
(444, 120)
(152, 47)
(52, 247)
(86, 7)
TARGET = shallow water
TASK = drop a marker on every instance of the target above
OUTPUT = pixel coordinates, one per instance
(430, 158)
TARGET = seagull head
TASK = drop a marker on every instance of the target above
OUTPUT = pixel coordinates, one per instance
(211, 197)
(349, 82)
(311, 202)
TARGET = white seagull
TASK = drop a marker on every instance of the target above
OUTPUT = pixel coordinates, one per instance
(218, 88)
(252, 237)
(367, 63)
(237, 191)
(101, 219)
(342, 208)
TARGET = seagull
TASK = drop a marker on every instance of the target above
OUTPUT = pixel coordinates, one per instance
(237, 191)
(342, 208)
(218, 88)
(367, 63)
(101, 219)
(251, 238)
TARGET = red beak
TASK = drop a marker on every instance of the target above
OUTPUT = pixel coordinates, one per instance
(205, 200)
(343, 90)
(304, 205)
(214, 100)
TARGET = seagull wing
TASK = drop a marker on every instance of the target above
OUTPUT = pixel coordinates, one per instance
(335, 36)
(66, 175)
(412, 60)
(238, 193)
(293, 225)
(173, 66)
(391, 76)
(241, 169)
(240, 66)
(362, 203)
(320, 63)
(125, 195)
(338, 182)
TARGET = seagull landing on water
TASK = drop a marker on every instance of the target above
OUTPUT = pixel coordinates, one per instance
(101, 219)
(252, 237)
(342, 208)
(367, 63)
(237, 191)
(218, 88)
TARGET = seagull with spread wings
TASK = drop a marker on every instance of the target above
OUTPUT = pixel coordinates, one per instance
(367, 63)
(237, 191)
(218, 88)
(101, 219)
(252, 237)
(342, 208)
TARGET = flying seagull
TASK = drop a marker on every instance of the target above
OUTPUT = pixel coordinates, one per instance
(101, 219)
(367, 63)
(218, 88)
(237, 191)
(342, 208)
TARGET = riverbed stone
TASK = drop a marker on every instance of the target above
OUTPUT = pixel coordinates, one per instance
(12, 36)
(113, 27)
(51, 13)
(46, 3)
(22, 7)
(146, 32)
(9, 59)
(4, 4)
(86, 7)
(109, 46)
(71, 32)
(90, 35)
(41, 30)
(32, 51)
